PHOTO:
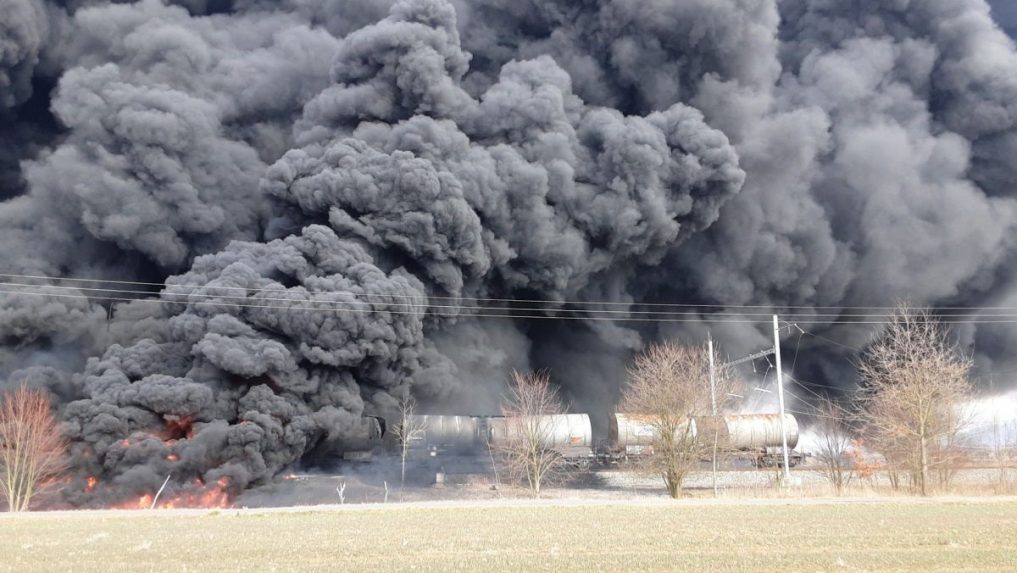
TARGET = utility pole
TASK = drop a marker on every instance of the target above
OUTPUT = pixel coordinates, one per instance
(780, 398)
(713, 404)
(713, 379)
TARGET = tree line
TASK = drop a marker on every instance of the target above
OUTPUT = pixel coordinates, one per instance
(914, 384)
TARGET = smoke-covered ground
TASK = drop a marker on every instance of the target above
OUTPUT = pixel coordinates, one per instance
(327, 205)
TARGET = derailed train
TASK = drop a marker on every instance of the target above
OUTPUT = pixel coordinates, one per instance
(756, 437)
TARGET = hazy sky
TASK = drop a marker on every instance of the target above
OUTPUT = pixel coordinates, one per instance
(1005, 12)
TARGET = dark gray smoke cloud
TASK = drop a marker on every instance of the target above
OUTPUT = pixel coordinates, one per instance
(25, 33)
(324, 189)
(30, 34)
(169, 121)
(261, 361)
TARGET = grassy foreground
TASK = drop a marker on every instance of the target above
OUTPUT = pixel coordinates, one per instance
(885, 536)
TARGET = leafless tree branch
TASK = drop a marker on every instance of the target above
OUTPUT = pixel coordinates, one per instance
(834, 439)
(532, 410)
(915, 387)
(32, 447)
(669, 387)
(408, 430)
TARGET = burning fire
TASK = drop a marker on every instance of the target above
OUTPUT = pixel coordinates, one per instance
(90, 484)
(215, 496)
(199, 495)
(178, 428)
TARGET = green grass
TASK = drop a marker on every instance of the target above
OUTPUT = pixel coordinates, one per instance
(690, 537)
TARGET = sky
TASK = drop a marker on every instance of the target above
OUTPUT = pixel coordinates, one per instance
(1005, 12)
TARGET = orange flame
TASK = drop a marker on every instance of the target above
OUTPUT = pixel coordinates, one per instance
(177, 428)
(90, 484)
(172, 457)
(216, 496)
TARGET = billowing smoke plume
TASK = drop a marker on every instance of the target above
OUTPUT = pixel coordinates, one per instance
(322, 197)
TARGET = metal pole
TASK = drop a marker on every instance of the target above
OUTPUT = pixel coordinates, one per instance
(713, 379)
(780, 398)
(713, 404)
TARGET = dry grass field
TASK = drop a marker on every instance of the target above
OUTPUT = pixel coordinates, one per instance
(803, 535)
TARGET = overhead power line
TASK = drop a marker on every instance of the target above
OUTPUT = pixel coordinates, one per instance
(835, 310)
(246, 297)
(834, 342)
(208, 294)
(464, 311)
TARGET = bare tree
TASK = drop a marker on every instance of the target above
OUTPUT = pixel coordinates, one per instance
(834, 441)
(1004, 449)
(408, 430)
(32, 447)
(915, 384)
(669, 387)
(532, 410)
(949, 453)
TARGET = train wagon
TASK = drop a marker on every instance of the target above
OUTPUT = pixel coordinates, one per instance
(630, 436)
(756, 436)
(569, 434)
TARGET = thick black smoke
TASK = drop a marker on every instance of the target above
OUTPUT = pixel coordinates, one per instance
(323, 190)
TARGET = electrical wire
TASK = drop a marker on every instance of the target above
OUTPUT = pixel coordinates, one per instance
(838, 310)
(246, 297)
(825, 399)
(493, 312)
(757, 398)
(813, 414)
(834, 342)
(797, 347)
(466, 310)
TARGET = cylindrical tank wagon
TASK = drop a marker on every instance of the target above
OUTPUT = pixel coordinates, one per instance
(456, 434)
(737, 432)
(756, 431)
(569, 434)
(756, 436)
(633, 434)
(362, 437)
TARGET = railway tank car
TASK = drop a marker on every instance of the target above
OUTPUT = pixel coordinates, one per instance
(633, 434)
(757, 436)
(448, 434)
(569, 434)
(751, 431)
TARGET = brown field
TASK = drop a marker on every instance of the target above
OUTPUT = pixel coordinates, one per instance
(689, 535)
